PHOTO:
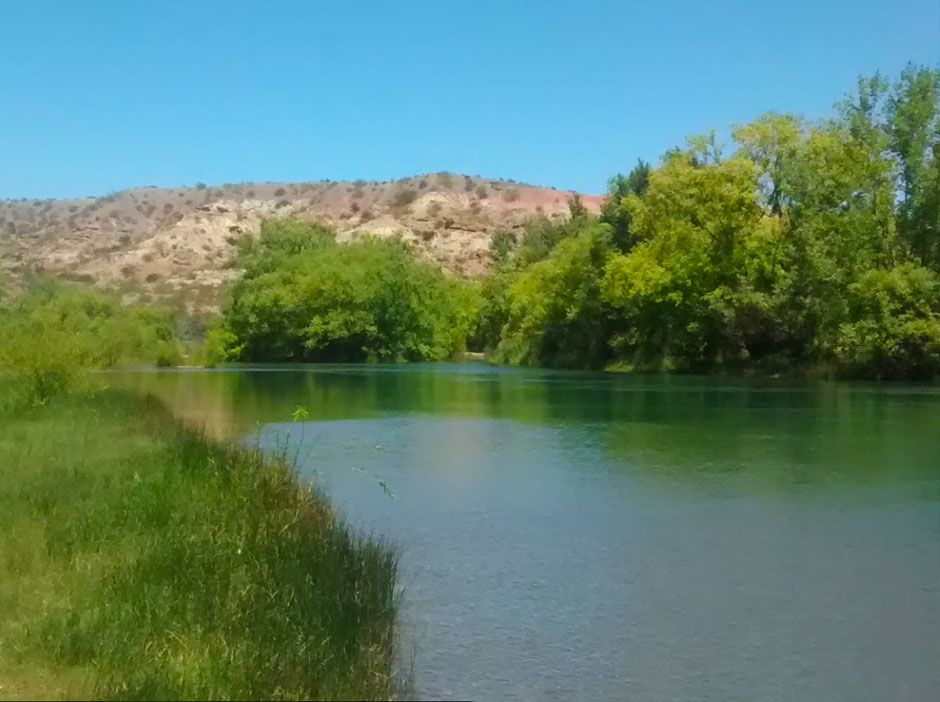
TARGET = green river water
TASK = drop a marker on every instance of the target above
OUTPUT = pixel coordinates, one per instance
(594, 536)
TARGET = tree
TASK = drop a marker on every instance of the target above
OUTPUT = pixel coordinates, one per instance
(771, 142)
(555, 314)
(614, 210)
(693, 227)
(55, 332)
(893, 325)
(913, 127)
(303, 297)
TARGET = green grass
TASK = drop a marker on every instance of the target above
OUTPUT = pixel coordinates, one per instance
(139, 559)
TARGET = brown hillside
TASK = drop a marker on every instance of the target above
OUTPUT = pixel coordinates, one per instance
(175, 244)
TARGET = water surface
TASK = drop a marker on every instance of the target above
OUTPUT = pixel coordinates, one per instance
(582, 535)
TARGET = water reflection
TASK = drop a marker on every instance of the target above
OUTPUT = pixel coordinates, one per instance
(769, 434)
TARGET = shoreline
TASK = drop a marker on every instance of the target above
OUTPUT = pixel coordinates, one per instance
(155, 562)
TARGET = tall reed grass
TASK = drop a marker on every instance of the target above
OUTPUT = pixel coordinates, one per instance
(141, 560)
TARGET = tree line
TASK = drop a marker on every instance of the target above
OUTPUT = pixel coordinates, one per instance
(799, 245)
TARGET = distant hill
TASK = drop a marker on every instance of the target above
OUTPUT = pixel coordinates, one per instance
(175, 244)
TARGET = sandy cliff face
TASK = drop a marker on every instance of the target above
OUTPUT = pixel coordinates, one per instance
(175, 244)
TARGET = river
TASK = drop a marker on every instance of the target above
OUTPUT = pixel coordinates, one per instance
(570, 535)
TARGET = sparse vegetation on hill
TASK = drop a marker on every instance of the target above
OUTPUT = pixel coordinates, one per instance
(181, 235)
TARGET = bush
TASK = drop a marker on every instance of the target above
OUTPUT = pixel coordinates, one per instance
(168, 355)
(554, 312)
(403, 197)
(56, 332)
(303, 297)
(894, 326)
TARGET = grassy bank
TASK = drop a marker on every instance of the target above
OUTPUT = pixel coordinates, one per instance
(140, 560)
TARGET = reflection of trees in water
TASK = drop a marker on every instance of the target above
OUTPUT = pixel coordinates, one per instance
(774, 437)
(676, 428)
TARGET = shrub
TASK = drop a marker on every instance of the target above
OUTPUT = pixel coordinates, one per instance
(168, 355)
(404, 197)
(321, 302)
(893, 329)
(55, 332)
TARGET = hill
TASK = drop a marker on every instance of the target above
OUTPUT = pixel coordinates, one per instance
(175, 244)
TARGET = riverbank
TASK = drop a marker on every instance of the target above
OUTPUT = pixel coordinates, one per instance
(139, 559)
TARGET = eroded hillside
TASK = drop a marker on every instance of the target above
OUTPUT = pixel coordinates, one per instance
(175, 244)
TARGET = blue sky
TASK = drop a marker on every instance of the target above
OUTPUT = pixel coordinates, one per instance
(98, 96)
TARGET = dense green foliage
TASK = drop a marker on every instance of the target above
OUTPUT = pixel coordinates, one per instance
(809, 246)
(54, 331)
(303, 297)
(141, 560)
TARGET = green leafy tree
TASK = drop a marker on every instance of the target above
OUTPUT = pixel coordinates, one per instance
(614, 210)
(53, 333)
(694, 227)
(913, 127)
(303, 297)
(555, 315)
(892, 328)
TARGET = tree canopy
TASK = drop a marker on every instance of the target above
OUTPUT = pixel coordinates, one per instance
(303, 297)
(800, 245)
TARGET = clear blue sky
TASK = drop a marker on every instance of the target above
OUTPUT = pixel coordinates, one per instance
(98, 96)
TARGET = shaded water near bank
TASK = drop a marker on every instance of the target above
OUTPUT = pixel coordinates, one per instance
(624, 537)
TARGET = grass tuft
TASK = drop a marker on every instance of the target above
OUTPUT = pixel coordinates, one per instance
(141, 560)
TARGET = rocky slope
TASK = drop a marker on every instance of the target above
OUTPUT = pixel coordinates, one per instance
(175, 244)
